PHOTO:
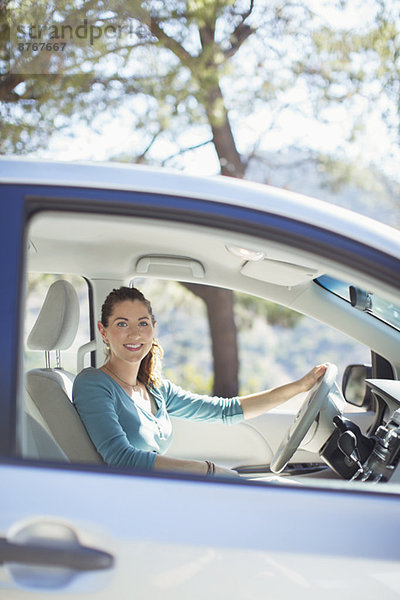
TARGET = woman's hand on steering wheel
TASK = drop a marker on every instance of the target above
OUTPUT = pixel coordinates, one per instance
(320, 381)
(311, 378)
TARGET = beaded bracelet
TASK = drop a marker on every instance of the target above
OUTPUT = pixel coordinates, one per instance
(210, 468)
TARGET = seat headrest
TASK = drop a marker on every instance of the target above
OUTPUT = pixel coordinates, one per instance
(57, 323)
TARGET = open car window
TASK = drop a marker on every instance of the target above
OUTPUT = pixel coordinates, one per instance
(168, 246)
(275, 343)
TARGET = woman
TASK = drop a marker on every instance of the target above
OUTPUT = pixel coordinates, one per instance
(125, 405)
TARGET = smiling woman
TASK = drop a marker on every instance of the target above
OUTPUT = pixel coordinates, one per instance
(127, 326)
(126, 405)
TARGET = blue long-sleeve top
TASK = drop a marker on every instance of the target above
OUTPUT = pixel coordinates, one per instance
(126, 434)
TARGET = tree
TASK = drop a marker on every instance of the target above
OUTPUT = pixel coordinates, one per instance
(184, 65)
(358, 69)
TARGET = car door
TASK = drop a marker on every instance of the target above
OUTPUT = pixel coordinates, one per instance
(75, 531)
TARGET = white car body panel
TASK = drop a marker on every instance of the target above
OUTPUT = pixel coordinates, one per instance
(194, 545)
(183, 538)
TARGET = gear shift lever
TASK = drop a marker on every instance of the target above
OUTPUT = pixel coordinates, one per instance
(347, 442)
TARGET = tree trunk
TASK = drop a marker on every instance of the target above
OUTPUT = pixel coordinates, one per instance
(214, 104)
(219, 303)
(224, 142)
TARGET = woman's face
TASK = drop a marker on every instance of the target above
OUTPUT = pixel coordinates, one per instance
(129, 332)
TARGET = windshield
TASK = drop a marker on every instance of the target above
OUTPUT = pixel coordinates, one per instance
(363, 300)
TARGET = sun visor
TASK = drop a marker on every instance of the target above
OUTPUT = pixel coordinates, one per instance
(279, 272)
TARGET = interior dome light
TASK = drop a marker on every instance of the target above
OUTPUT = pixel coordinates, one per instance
(245, 253)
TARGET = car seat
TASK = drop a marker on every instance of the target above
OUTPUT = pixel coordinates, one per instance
(49, 390)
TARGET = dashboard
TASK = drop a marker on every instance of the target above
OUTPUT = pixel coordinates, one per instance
(373, 457)
(352, 454)
(382, 463)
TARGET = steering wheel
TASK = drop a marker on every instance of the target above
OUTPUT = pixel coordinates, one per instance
(304, 419)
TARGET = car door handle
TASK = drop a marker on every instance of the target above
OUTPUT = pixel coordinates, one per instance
(80, 558)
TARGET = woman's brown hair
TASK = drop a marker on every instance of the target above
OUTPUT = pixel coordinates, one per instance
(150, 367)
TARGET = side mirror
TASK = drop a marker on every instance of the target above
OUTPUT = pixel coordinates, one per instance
(354, 387)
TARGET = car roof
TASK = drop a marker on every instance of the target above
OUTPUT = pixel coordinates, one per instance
(227, 190)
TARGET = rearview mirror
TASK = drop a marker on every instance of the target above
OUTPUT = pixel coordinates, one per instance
(354, 387)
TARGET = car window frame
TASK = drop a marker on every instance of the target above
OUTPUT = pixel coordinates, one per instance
(249, 221)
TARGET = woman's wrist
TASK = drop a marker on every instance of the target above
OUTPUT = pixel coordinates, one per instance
(297, 387)
(210, 468)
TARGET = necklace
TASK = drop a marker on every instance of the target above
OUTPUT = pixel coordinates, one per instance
(135, 387)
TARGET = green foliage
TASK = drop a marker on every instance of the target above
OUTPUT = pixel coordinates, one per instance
(358, 65)
(247, 308)
(187, 63)
(190, 378)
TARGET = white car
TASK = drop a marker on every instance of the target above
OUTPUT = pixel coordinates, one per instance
(315, 511)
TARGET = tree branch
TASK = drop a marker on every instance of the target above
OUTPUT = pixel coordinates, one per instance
(183, 150)
(240, 33)
(141, 157)
(291, 164)
(245, 15)
(170, 43)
